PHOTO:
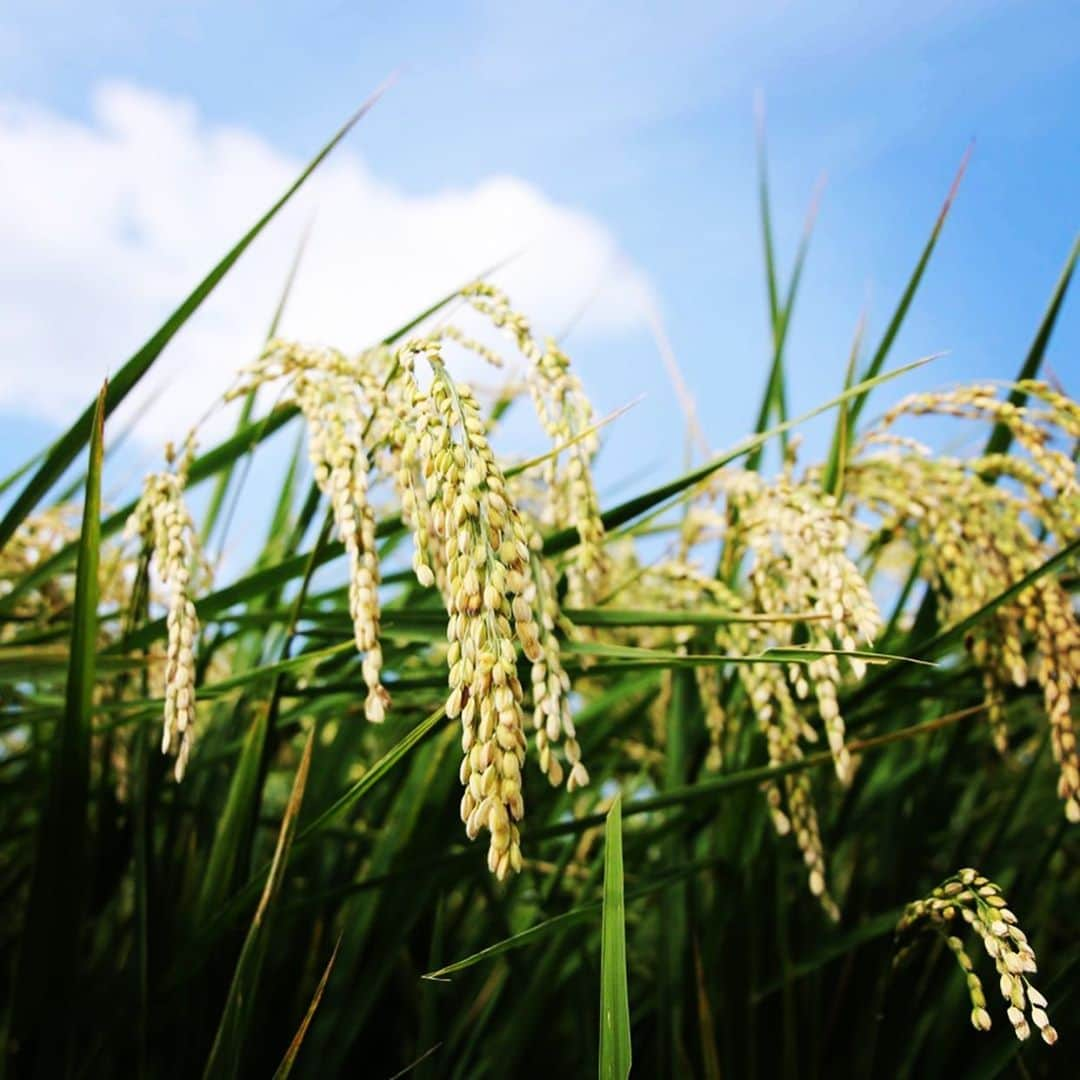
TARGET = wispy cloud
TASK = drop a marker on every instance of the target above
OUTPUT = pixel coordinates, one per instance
(106, 225)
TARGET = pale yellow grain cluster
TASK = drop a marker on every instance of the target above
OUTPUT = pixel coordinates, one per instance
(1032, 428)
(374, 416)
(473, 541)
(790, 798)
(977, 538)
(162, 522)
(567, 416)
(797, 539)
(346, 408)
(484, 556)
(37, 540)
(553, 724)
(336, 424)
(968, 897)
(768, 687)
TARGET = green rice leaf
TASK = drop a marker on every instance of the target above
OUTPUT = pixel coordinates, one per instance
(849, 418)
(615, 1053)
(586, 913)
(16, 475)
(59, 889)
(774, 399)
(1001, 437)
(701, 616)
(377, 771)
(227, 864)
(791, 654)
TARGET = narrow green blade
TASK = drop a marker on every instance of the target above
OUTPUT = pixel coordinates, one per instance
(226, 855)
(373, 775)
(1001, 437)
(877, 361)
(848, 421)
(765, 213)
(586, 913)
(774, 400)
(50, 954)
(14, 477)
(721, 785)
(789, 654)
(614, 995)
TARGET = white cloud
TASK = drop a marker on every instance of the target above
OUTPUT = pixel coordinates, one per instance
(106, 226)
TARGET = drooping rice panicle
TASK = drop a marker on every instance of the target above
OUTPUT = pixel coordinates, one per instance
(798, 540)
(368, 414)
(567, 416)
(492, 577)
(162, 522)
(336, 425)
(970, 898)
(977, 538)
(772, 701)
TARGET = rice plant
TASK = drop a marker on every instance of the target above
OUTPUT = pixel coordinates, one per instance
(714, 739)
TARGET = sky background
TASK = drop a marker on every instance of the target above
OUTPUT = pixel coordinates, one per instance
(612, 145)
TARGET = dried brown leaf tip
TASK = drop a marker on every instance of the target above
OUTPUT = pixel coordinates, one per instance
(968, 897)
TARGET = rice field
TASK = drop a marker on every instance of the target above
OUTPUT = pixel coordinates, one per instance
(767, 771)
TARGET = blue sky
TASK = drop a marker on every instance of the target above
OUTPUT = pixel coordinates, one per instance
(624, 129)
